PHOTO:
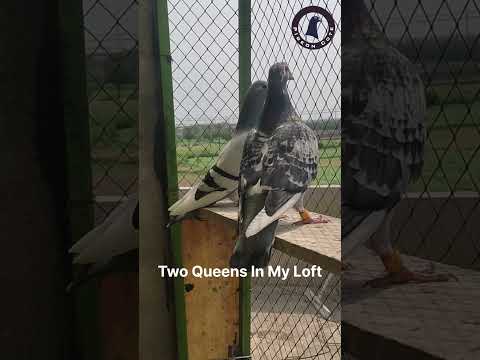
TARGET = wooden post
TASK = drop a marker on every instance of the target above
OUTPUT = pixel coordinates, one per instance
(157, 337)
(211, 303)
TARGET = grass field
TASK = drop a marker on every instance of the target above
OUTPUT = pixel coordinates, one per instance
(452, 154)
(195, 156)
(452, 158)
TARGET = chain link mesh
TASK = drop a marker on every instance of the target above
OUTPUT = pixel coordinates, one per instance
(289, 317)
(292, 319)
(112, 81)
(297, 318)
(439, 38)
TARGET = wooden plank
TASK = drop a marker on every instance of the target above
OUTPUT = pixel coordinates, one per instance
(212, 304)
(317, 244)
(421, 321)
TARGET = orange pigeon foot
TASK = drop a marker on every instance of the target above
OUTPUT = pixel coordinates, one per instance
(398, 274)
(406, 276)
(307, 218)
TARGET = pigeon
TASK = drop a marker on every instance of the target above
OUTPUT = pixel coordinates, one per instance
(279, 162)
(221, 179)
(106, 245)
(383, 138)
(313, 27)
(116, 236)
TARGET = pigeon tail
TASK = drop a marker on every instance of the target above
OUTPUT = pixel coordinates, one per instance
(358, 227)
(240, 261)
(255, 250)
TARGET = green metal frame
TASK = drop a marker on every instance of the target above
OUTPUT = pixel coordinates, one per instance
(244, 16)
(245, 64)
(167, 113)
(79, 179)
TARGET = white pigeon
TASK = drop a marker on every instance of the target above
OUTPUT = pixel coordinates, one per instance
(222, 179)
(117, 235)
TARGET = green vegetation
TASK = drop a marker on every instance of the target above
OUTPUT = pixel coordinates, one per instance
(452, 154)
(195, 156)
(113, 137)
(452, 158)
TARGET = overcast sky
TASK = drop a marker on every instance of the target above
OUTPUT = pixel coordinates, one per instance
(204, 42)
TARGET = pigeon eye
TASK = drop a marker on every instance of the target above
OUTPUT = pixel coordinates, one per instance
(264, 86)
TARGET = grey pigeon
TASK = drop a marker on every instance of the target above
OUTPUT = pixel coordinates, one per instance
(279, 162)
(222, 179)
(383, 136)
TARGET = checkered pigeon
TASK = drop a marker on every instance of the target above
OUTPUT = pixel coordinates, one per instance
(383, 132)
(279, 162)
(383, 139)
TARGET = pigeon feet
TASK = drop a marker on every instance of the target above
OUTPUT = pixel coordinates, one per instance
(307, 218)
(406, 276)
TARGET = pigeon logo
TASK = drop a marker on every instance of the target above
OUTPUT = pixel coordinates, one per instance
(306, 28)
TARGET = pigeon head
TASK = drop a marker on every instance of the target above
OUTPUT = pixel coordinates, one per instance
(278, 75)
(312, 27)
(278, 107)
(252, 106)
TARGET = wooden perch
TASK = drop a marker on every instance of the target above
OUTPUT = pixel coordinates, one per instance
(212, 304)
(412, 321)
(317, 244)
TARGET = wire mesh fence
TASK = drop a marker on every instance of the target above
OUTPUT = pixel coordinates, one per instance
(295, 318)
(299, 318)
(112, 82)
(439, 37)
(292, 319)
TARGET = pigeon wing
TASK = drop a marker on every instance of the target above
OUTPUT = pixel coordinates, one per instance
(289, 165)
(383, 133)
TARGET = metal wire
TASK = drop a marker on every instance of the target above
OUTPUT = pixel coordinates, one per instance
(287, 324)
(112, 81)
(438, 38)
(289, 319)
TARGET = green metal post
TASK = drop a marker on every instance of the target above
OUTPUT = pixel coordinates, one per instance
(79, 181)
(167, 114)
(245, 62)
(244, 47)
